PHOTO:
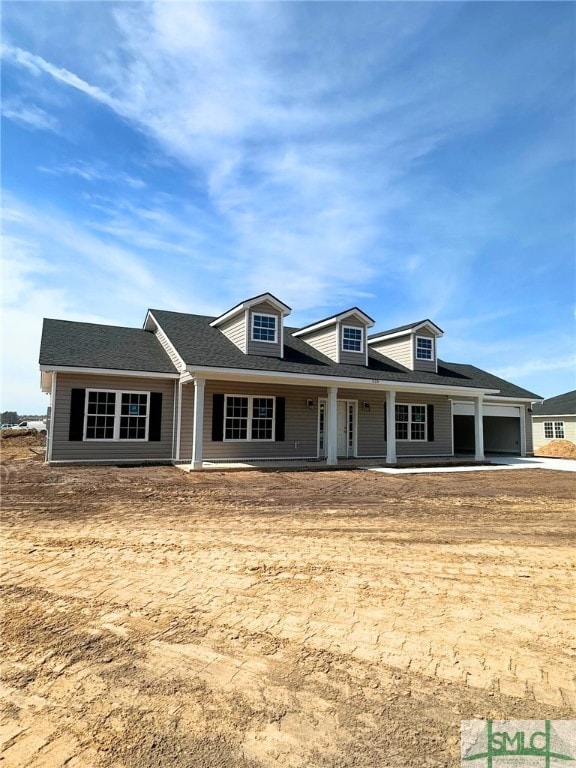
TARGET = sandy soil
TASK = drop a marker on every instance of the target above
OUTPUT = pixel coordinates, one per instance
(155, 619)
(560, 449)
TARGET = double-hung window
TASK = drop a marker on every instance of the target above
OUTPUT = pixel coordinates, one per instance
(113, 415)
(554, 429)
(424, 348)
(351, 339)
(410, 422)
(264, 328)
(249, 418)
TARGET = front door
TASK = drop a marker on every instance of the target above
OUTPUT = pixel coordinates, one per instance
(346, 428)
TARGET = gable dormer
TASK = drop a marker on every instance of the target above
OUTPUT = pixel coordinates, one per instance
(342, 338)
(256, 325)
(413, 346)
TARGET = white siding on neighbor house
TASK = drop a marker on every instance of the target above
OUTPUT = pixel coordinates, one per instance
(235, 330)
(538, 429)
(399, 349)
(168, 348)
(265, 348)
(324, 341)
(64, 449)
(353, 358)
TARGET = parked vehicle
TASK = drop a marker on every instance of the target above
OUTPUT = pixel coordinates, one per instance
(40, 426)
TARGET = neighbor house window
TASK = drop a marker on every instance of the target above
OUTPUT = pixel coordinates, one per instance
(424, 348)
(351, 339)
(554, 429)
(112, 415)
(264, 328)
(410, 422)
(249, 418)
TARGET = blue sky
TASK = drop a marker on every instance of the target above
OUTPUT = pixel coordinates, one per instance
(414, 159)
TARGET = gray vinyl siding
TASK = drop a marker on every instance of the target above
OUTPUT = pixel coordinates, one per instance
(187, 425)
(168, 348)
(301, 423)
(371, 434)
(399, 349)
(265, 348)
(324, 341)
(537, 429)
(353, 358)
(64, 449)
(235, 330)
(425, 365)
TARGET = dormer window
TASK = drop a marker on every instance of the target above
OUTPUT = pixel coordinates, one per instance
(264, 328)
(352, 340)
(424, 348)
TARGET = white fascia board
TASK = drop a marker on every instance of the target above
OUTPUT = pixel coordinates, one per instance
(109, 371)
(239, 374)
(334, 321)
(284, 309)
(149, 322)
(159, 327)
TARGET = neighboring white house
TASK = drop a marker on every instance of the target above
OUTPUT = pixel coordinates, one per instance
(554, 419)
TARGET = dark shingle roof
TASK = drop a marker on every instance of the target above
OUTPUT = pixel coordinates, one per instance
(200, 345)
(557, 406)
(332, 317)
(88, 345)
(401, 328)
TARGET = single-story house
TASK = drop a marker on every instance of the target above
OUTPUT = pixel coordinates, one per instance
(244, 386)
(554, 419)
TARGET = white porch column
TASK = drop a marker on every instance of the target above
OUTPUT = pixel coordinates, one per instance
(522, 430)
(390, 427)
(332, 424)
(198, 435)
(478, 429)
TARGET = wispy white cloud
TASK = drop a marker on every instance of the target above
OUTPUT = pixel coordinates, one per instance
(30, 116)
(91, 172)
(37, 65)
(529, 367)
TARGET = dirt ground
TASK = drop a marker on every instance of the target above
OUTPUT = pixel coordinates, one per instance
(158, 619)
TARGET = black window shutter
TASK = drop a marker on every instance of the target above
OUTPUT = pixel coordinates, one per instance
(385, 422)
(217, 418)
(155, 419)
(77, 400)
(430, 409)
(280, 419)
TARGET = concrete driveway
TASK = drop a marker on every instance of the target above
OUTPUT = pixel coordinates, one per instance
(496, 462)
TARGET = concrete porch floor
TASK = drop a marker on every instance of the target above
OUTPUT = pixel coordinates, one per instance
(315, 465)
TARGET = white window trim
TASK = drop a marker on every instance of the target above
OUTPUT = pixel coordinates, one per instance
(249, 438)
(411, 439)
(342, 339)
(117, 415)
(432, 350)
(555, 428)
(263, 341)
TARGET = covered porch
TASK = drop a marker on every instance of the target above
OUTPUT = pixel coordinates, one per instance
(314, 423)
